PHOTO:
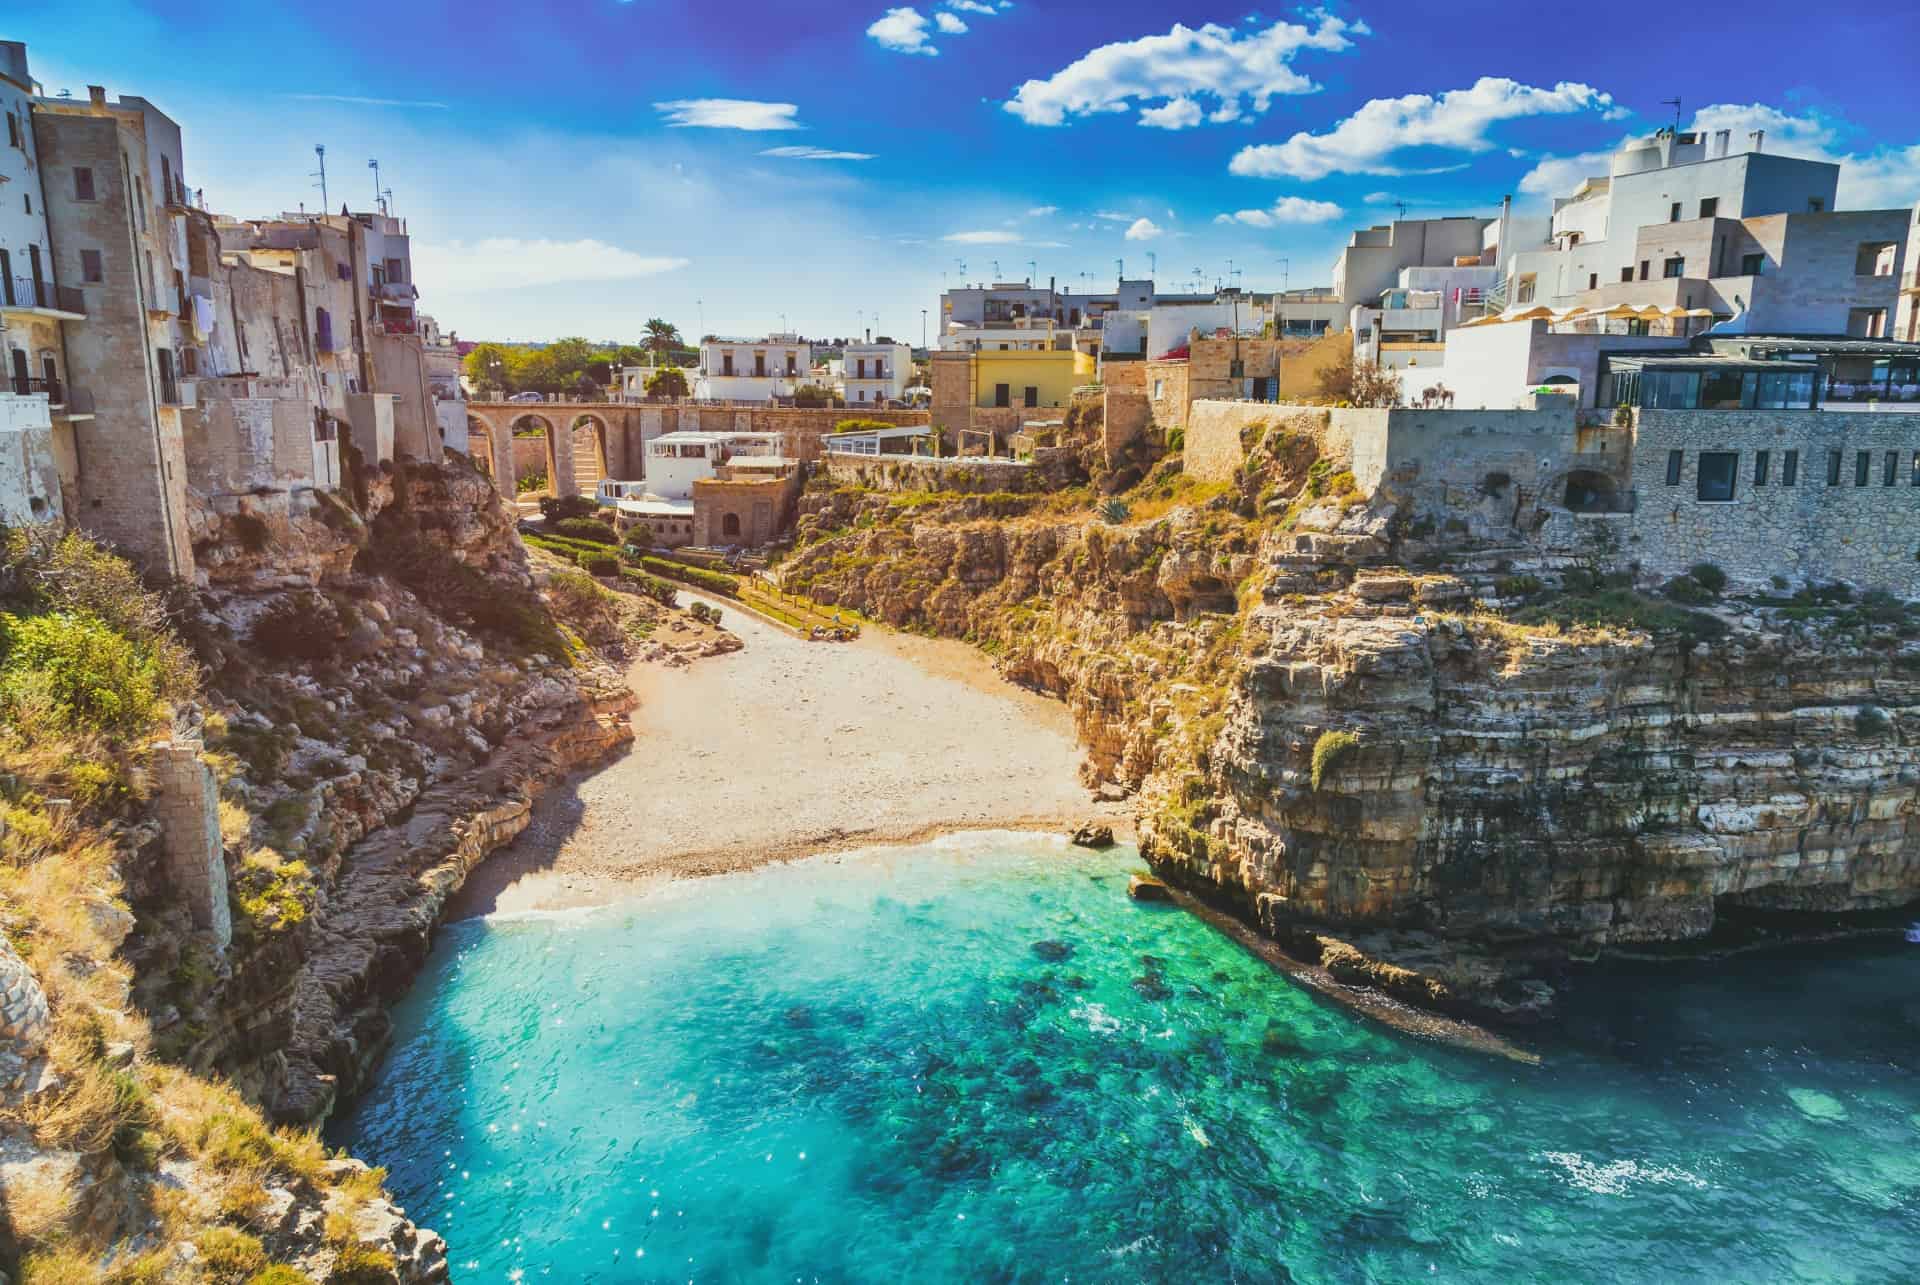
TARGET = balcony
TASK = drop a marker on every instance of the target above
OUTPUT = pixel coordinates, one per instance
(52, 389)
(397, 292)
(176, 392)
(43, 298)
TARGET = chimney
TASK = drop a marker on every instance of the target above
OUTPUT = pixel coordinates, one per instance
(1506, 220)
(1759, 137)
(1722, 142)
(97, 95)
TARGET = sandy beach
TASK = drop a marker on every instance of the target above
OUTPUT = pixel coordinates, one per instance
(788, 748)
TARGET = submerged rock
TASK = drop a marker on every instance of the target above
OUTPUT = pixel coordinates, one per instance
(1052, 951)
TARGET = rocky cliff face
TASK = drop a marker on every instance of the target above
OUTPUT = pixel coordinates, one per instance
(1521, 762)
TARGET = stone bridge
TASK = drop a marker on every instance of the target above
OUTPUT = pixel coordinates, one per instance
(585, 441)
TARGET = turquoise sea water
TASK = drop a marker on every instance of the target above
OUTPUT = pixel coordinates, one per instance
(976, 1060)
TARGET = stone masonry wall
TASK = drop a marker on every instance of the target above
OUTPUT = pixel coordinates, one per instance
(188, 799)
(1813, 530)
(1214, 451)
(881, 473)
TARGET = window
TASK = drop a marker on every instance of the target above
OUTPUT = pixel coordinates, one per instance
(1862, 467)
(82, 183)
(1874, 259)
(1833, 468)
(1714, 477)
(396, 270)
(1674, 460)
(1751, 264)
(13, 130)
(1032, 396)
(90, 266)
(1673, 215)
(1760, 468)
(189, 361)
(1644, 265)
(1816, 205)
(1674, 267)
(1593, 281)
(1867, 323)
(1790, 468)
(1159, 389)
(1626, 274)
(1003, 394)
(1913, 479)
(1709, 206)
(730, 524)
(726, 363)
(1890, 473)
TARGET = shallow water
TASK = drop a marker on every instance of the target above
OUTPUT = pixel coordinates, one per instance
(977, 1060)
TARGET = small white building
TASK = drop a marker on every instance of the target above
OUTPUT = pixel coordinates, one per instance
(754, 370)
(675, 461)
(875, 373)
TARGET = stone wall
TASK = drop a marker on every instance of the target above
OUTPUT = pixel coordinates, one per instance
(371, 417)
(130, 470)
(248, 434)
(1813, 530)
(1127, 418)
(187, 797)
(760, 508)
(1167, 392)
(1216, 446)
(905, 474)
(400, 368)
(1124, 376)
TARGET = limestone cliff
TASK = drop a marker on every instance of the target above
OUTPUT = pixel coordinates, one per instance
(211, 921)
(1398, 738)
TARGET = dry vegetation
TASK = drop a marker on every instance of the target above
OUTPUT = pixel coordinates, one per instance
(137, 1158)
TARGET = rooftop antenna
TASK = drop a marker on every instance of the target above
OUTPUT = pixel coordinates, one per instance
(320, 150)
(375, 167)
(1033, 270)
(1402, 207)
(1153, 263)
(1675, 104)
(386, 199)
(996, 269)
(963, 270)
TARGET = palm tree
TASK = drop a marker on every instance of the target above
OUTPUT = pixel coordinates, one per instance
(663, 336)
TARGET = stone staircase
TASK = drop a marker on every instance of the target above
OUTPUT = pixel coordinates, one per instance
(586, 462)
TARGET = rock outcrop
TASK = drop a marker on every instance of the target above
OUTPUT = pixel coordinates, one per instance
(1417, 751)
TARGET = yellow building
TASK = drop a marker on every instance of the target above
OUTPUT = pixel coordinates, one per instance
(1018, 378)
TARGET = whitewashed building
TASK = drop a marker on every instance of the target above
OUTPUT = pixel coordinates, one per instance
(753, 370)
(876, 373)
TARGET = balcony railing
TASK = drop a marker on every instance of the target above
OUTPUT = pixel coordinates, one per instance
(24, 387)
(25, 292)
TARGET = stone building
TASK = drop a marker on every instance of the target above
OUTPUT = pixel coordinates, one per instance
(116, 206)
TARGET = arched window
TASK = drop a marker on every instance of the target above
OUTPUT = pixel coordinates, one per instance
(730, 525)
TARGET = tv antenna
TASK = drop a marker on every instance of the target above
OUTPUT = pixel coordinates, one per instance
(1674, 103)
(1033, 270)
(375, 167)
(320, 150)
(1153, 263)
(1402, 207)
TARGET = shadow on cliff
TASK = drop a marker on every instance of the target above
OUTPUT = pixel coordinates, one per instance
(555, 818)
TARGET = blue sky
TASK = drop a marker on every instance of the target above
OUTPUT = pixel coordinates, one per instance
(578, 167)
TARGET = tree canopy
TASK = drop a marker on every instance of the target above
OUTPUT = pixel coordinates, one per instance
(570, 365)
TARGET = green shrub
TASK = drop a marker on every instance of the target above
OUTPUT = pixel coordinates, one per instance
(530, 482)
(1687, 591)
(280, 1274)
(699, 577)
(1579, 580)
(1622, 609)
(591, 530)
(861, 425)
(230, 1255)
(1521, 586)
(556, 508)
(508, 611)
(703, 612)
(74, 672)
(360, 1264)
(599, 564)
(1329, 751)
(1114, 511)
(654, 587)
(1708, 577)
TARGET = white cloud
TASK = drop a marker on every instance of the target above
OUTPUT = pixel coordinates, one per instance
(728, 113)
(974, 6)
(1177, 113)
(1883, 177)
(1212, 62)
(815, 154)
(1379, 198)
(949, 24)
(1143, 230)
(1042, 211)
(1458, 120)
(983, 238)
(357, 101)
(1112, 216)
(1559, 175)
(1288, 209)
(903, 30)
(503, 263)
